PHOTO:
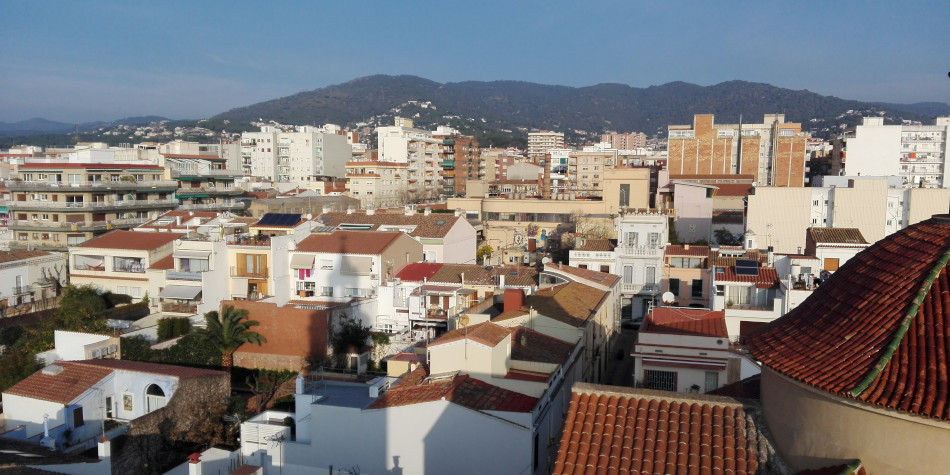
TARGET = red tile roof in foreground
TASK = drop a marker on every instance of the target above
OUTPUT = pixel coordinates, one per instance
(876, 331)
(131, 240)
(78, 376)
(686, 321)
(530, 345)
(460, 389)
(620, 430)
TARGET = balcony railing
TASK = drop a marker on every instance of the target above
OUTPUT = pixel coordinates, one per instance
(252, 273)
(640, 288)
(136, 268)
(640, 251)
(182, 275)
(231, 205)
(19, 185)
(204, 190)
(87, 267)
(23, 224)
(90, 205)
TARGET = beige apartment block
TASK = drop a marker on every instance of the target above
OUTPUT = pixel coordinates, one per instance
(55, 205)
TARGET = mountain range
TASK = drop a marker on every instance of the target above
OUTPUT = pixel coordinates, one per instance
(513, 105)
(512, 108)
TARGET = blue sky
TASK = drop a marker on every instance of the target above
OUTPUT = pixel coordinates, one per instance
(81, 61)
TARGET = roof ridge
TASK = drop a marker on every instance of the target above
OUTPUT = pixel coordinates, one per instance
(885, 358)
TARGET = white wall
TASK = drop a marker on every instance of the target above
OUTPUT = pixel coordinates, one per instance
(875, 150)
(70, 346)
(458, 245)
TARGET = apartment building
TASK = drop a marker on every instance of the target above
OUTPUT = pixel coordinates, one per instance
(539, 143)
(297, 156)
(625, 141)
(27, 276)
(587, 170)
(917, 153)
(642, 236)
(876, 206)
(117, 261)
(58, 204)
(773, 152)
(460, 160)
(377, 184)
(423, 154)
(686, 275)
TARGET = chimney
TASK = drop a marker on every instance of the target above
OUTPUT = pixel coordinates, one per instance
(194, 464)
(462, 278)
(370, 211)
(458, 212)
(350, 210)
(177, 220)
(428, 211)
(514, 298)
(105, 451)
(409, 210)
(686, 247)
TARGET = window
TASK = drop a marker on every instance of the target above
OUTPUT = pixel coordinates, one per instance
(650, 276)
(605, 269)
(136, 292)
(326, 264)
(582, 266)
(686, 262)
(654, 240)
(77, 417)
(675, 287)
(632, 239)
(831, 264)
(109, 409)
(697, 287)
(663, 380)
(122, 289)
(326, 291)
(627, 274)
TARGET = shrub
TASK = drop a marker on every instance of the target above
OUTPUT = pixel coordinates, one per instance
(169, 328)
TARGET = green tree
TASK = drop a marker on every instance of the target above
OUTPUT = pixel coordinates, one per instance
(482, 252)
(229, 330)
(351, 334)
(80, 309)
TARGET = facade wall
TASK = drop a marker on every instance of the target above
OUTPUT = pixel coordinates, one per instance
(862, 205)
(813, 429)
(779, 217)
(292, 334)
(458, 245)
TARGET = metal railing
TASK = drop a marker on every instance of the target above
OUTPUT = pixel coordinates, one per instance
(20, 185)
(90, 205)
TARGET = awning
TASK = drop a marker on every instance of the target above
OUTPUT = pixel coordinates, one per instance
(712, 366)
(356, 265)
(182, 292)
(183, 254)
(239, 286)
(302, 261)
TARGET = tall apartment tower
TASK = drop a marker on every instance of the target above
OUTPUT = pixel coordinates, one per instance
(297, 156)
(772, 152)
(628, 141)
(540, 142)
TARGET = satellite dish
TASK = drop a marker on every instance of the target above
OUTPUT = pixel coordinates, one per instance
(463, 320)
(668, 297)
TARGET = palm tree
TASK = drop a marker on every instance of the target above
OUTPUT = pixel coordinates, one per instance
(228, 331)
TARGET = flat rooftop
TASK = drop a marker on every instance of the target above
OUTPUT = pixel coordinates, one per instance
(345, 394)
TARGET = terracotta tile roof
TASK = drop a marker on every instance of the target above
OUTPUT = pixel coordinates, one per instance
(14, 255)
(572, 303)
(165, 263)
(529, 345)
(717, 259)
(619, 430)
(486, 333)
(681, 251)
(836, 236)
(602, 278)
(131, 240)
(766, 279)
(417, 271)
(733, 189)
(349, 242)
(63, 387)
(686, 321)
(512, 314)
(598, 245)
(460, 389)
(425, 226)
(478, 275)
(78, 376)
(876, 330)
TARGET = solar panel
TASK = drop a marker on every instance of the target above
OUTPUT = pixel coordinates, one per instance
(747, 271)
(278, 219)
(746, 263)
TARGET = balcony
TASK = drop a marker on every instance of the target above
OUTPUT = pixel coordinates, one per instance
(92, 263)
(90, 205)
(205, 172)
(251, 273)
(212, 206)
(648, 289)
(64, 187)
(640, 251)
(128, 264)
(182, 275)
(207, 190)
(81, 226)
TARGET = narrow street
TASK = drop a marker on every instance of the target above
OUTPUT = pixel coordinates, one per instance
(620, 370)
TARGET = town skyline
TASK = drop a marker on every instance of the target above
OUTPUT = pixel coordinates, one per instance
(102, 61)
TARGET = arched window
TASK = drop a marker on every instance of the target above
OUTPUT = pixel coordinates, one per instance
(154, 398)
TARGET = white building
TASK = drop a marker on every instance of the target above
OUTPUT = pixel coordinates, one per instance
(30, 275)
(642, 236)
(75, 346)
(294, 157)
(73, 398)
(540, 142)
(421, 152)
(915, 152)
